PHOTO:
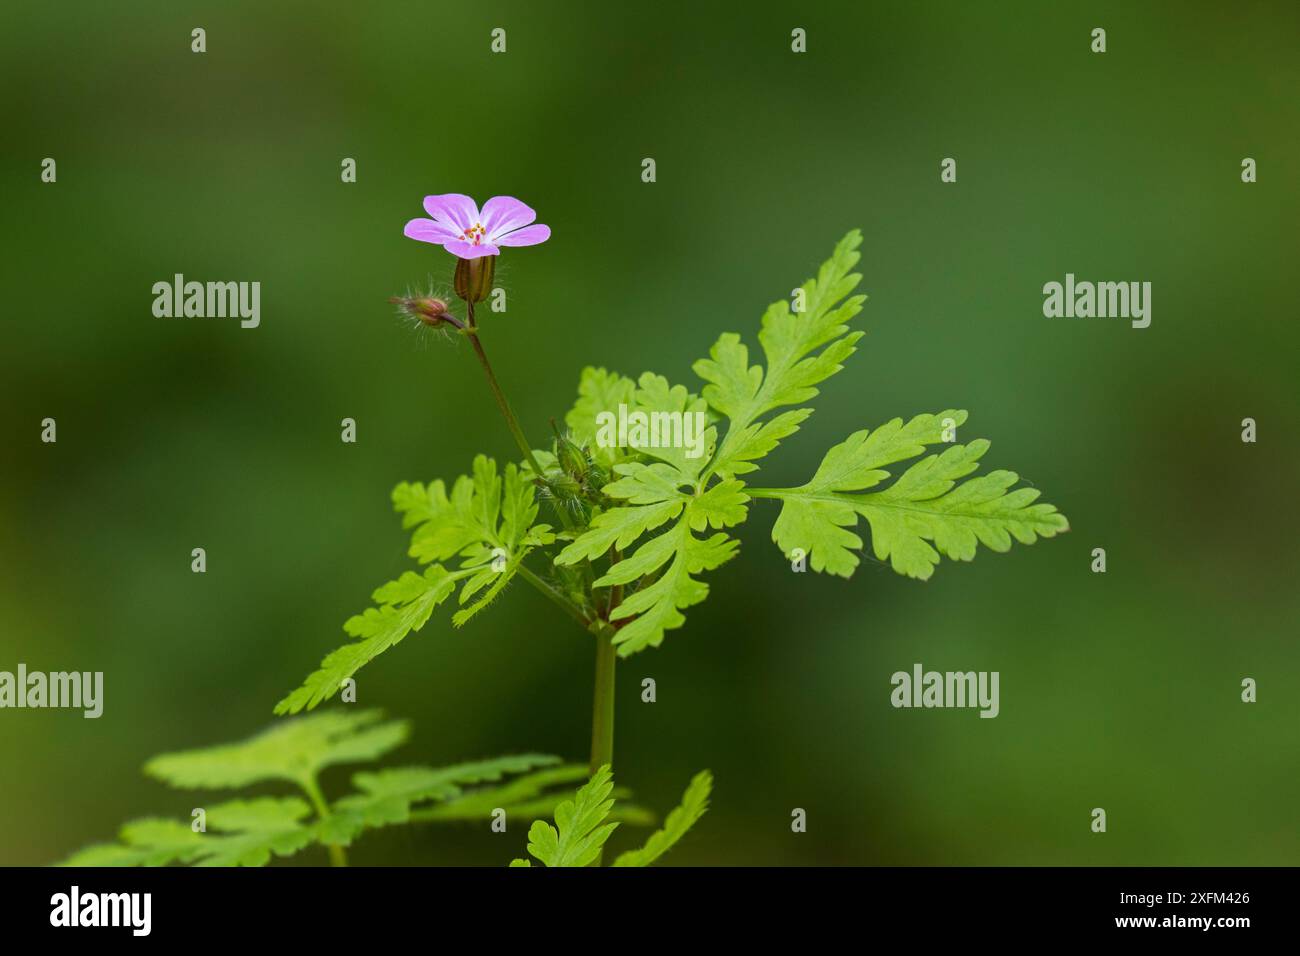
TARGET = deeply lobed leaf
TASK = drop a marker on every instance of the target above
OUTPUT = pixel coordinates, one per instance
(404, 606)
(239, 833)
(487, 520)
(695, 803)
(293, 750)
(924, 514)
(745, 392)
(387, 796)
(580, 829)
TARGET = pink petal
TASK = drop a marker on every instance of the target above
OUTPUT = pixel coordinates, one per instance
(502, 214)
(426, 230)
(467, 250)
(452, 208)
(528, 236)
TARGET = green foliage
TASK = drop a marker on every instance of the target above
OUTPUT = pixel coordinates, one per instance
(925, 504)
(486, 521)
(386, 797)
(251, 831)
(291, 750)
(744, 393)
(695, 803)
(532, 797)
(641, 525)
(925, 513)
(580, 829)
(144, 842)
(246, 833)
(638, 540)
(584, 824)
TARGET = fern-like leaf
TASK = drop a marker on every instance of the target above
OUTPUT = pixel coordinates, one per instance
(925, 513)
(292, 750)
(598, 391)
(530, 797)
(745, 393)
(487, 521)
(658, 493)
(656, 606)
(146, 842)
(580, 829)
(250, 832)
(386, 797)
(695, 803)
(239, 833)
(484, 514)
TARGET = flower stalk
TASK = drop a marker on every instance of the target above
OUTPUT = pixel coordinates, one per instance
(475, 238)
(471, 332)
(338, 856)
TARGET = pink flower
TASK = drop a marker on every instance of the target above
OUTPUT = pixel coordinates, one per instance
(460, 228)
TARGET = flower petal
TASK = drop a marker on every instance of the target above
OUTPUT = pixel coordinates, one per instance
(502, 214)
(467, 250)
(528, 236)
(452, 208)
(426, 230)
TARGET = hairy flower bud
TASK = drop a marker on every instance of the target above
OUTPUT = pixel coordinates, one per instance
(571, 459)
(432, 312)
(564, 488)
(474, 277)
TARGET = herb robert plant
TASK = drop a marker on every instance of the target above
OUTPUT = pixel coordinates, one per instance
(636, 527)
(630, 531)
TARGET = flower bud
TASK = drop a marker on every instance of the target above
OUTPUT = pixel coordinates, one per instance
(571, 459)
(564, 488)
(474, 277)
(432, 312)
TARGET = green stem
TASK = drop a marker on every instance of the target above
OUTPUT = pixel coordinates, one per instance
(602, 708)
(602, 704)
(337, 855)
(471, 331)
(555, 596)
(769, 492)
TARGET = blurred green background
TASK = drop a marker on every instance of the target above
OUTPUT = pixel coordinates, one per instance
(1118, 690)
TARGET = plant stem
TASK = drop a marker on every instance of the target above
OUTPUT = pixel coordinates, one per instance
(602, 708)
(555, 596)
(768, 492)
(602, 713)
(471, 330)
(337, 855)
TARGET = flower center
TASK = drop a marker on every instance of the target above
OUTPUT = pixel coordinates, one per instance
(474, 235)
